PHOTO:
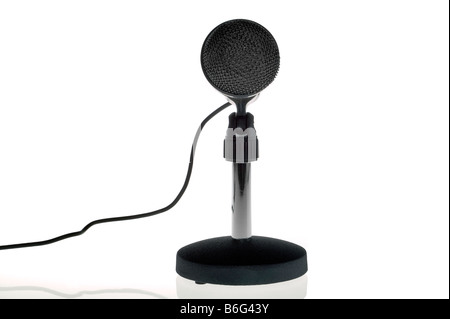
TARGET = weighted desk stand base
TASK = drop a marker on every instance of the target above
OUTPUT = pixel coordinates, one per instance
(253, 261)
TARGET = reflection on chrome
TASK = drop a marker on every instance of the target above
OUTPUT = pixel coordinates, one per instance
(36, 292)
(292, 289)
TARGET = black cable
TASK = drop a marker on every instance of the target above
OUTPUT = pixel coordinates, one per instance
(129, 217)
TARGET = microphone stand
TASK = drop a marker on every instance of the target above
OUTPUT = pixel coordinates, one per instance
(241, 259)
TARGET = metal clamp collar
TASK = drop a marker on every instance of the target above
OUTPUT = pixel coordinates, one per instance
(241, 142)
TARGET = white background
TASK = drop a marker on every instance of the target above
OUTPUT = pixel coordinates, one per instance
(100, 102)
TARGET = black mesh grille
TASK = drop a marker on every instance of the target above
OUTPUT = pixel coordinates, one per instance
(240, 57)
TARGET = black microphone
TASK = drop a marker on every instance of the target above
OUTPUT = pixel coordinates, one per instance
(240, 58)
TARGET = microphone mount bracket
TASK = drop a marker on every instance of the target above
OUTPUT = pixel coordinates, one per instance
(241, 143)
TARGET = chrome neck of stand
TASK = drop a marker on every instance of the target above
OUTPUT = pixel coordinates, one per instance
(241, 202)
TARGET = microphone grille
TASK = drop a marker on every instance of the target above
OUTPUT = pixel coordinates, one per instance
(240, 58)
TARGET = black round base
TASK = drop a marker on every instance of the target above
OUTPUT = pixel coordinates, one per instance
(253, 261)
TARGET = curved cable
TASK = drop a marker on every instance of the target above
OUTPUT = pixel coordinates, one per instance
(129, 217)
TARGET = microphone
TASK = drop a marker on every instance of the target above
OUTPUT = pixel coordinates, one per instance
(240, 58)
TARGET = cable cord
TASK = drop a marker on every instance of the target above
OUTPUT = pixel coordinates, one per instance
(129, 217)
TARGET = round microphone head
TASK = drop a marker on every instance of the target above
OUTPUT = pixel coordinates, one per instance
(240, 58)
